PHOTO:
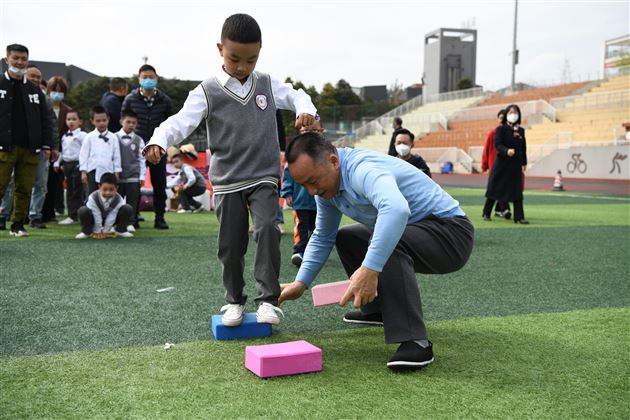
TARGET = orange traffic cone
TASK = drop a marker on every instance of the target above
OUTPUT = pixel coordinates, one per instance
(557, 182)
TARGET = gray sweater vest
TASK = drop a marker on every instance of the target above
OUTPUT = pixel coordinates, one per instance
(129, 159)
(200, 181)
(242, 133)
(105, 212)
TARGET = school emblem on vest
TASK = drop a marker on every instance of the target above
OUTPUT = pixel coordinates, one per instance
(133, 147)
(261, 101)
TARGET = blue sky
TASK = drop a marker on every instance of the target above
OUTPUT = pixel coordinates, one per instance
(365, 42)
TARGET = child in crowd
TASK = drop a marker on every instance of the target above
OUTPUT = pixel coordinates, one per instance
(189, 183)
(105, 209)
(304, 214)
(239, 107)
(100, 152)
(132, 162)
(71, 142)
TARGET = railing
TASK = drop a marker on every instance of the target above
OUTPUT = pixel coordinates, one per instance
(528, 109)
(456, 94)
(615, 98)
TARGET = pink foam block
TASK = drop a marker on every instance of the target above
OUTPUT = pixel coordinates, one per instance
(329, 293)
(283, 359)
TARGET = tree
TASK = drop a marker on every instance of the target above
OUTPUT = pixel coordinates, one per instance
(465, 84)
(345, 95)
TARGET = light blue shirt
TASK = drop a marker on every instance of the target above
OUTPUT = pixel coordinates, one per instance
(382, 192)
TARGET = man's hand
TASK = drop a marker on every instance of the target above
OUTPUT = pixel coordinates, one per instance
(289, 200)
(84, 177)
(153, 153)
(291, 291)
(363, 285)
(510, 152)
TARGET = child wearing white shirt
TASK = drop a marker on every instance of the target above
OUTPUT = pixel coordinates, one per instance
(68, 161)
(100, 152)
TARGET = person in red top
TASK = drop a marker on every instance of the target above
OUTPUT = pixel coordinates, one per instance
(502, 209)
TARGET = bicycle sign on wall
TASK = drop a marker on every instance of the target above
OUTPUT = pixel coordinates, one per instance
(576, 164)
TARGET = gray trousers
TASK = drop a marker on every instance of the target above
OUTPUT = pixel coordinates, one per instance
(430, 246)
(232, 213)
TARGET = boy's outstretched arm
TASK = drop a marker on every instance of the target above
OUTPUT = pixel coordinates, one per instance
(286, 97)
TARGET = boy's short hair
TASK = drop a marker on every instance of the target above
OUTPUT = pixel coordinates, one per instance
(398, 120)
(407, 132)
(241, 28)
(117, 83)
(128, 113)
(16, 48)
(57, 82)
(73, 111)
(501, 113)
(97, 109)
(312, 144)
(146, 67)
(108, 178)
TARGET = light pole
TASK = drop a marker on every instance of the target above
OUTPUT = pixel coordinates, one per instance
(514, 50)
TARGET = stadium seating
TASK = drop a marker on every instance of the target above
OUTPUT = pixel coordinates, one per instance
(545, 93)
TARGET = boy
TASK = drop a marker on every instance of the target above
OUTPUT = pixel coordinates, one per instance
(189, 182)
(104, 209)
(132, 163)
(100, 152)
(239, 105)
(71, 143)
(403, 145)
(304, 214)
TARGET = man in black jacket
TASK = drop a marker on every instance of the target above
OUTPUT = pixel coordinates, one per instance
(152, 107)
(25, 131)
(397, 126)
(112, 102)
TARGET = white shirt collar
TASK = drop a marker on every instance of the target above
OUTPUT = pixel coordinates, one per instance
(224, 78)
(6, 75)
(75, 131)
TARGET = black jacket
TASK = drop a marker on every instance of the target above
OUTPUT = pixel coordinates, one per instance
(37, 115)
(112, 104)
(506, 176)
(149, 117)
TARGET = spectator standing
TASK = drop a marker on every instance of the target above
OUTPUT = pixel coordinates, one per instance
(396, 125)
(404, 143)
(489, 154)
(152, 107)
(25, 131)
(112, 102)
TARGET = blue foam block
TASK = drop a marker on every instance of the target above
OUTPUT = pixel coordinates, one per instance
(248, 329)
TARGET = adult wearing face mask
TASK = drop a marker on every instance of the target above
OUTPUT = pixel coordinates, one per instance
(57, 88)
(403, 145)
(506, 177)
(152, 107)
(24, 132)
(397, 126)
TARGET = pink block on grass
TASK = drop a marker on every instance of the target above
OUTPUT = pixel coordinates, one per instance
(283, 359)
(329, 293)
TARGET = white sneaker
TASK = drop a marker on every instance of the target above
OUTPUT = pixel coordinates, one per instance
(233, 315)
(124, 234)
(67, 221)
(81, 235)
(266, 314)
(183, 211)
(131, 229)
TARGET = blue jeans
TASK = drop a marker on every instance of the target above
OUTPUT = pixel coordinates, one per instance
(38, 194)
(7, 201)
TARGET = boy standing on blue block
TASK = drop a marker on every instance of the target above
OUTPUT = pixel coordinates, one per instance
(239, 106)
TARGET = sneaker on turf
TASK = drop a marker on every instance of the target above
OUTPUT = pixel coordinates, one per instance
(124, 234)
(131, 229)
(296, 259)
(507, 214)
(81, 235)
(411, 355)
(3, 223)
(17, 230)
(268, 314)
(233, 315)
(67, 221)
(183, 211)
(499, 213)
(37, 224)
(357, 317)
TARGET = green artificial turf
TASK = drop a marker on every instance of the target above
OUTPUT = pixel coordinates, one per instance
(535, 325)
(565, 365)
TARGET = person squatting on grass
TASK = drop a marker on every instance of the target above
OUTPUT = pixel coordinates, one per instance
(239, 106)
(407, 224)
(189, 183)
(104, 210)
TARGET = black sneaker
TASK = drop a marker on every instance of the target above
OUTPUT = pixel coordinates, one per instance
(140, 218)
(356, 317)
(522, 221)
(3, 223)
(160, 224)
(37, 224)
(507, 215)
(17, 230)
(411, 355)
(486, 218)
(499, 213)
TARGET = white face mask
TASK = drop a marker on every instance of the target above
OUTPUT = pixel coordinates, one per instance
(512, 118)
(17, 71)
(403, 149)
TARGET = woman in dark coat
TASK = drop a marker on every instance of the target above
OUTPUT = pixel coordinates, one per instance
(506, 177)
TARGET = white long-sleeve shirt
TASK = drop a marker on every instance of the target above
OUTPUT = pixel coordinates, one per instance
(181, 125)
(71, 143)
(100, 155)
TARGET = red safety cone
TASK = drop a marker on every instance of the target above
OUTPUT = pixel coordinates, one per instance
(557, 182)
